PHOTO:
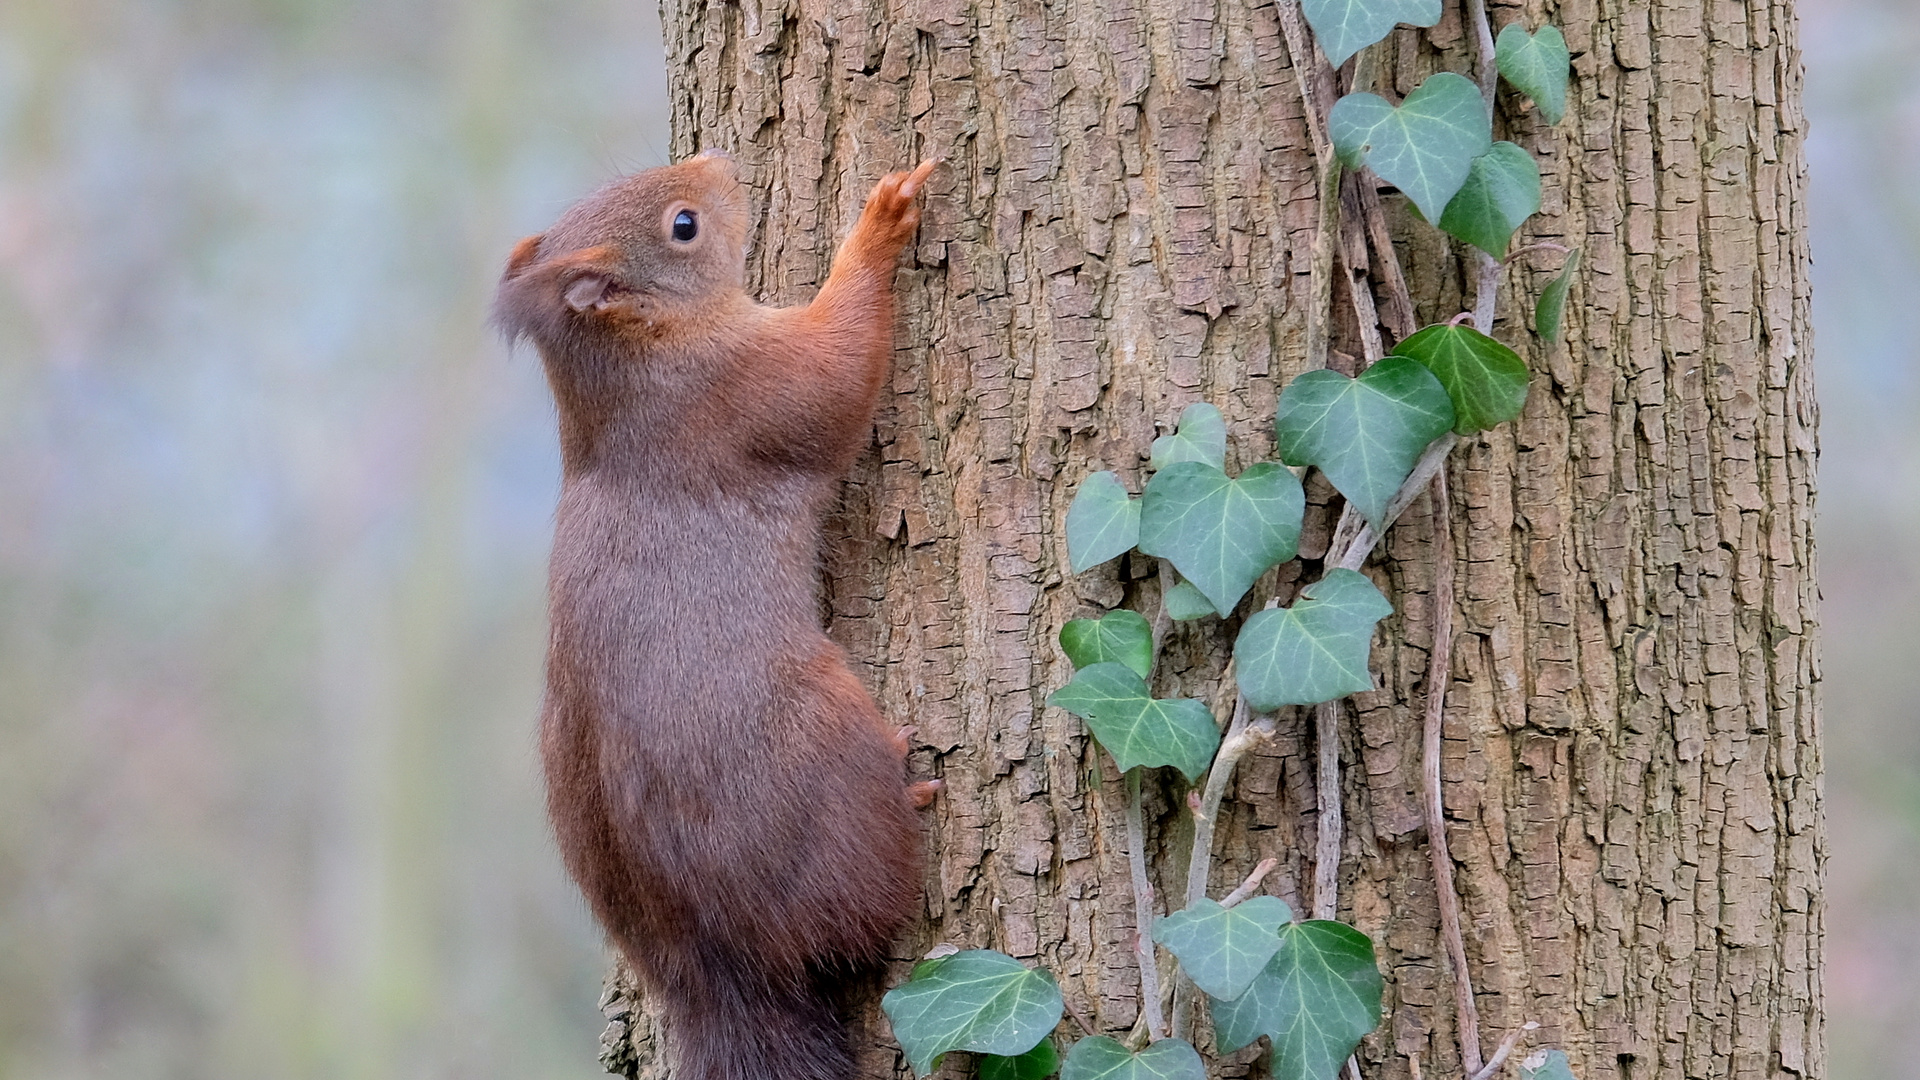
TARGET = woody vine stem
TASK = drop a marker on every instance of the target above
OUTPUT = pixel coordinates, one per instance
(1381, 437)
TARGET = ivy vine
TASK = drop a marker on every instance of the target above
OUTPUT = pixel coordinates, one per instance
(1311, 987)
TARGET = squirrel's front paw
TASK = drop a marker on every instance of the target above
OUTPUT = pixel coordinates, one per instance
(892, 212)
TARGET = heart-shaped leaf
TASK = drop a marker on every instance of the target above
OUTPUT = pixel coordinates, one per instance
(1553, 301)
(1546, 1065)
(1316, 999)
(1315, 650)
(1486, 381)
(1537, 65)
(979, 1000)
(1502, 191)
(1222, 949)
(1425, 147)
(1036, 1064)
(1365, 433)
(1184, 602)
(1137, 728)
(1102, 522)
(1122, 636)
(1201, 436)
(1221, 533)
(1344, 27)
(1100, 1058)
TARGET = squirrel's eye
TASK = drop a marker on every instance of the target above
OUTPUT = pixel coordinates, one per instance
(685, 226)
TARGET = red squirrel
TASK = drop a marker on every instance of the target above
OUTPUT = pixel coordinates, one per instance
(724, 790)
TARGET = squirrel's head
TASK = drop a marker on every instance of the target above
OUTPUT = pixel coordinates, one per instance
(642, 255)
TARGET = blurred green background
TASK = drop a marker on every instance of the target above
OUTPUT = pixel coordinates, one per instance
(274, 505)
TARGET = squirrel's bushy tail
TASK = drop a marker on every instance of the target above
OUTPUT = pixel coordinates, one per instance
(730, 1019)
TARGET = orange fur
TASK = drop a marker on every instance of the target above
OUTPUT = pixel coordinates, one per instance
(724, 790)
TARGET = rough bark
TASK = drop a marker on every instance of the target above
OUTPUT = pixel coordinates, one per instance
(1632, 730)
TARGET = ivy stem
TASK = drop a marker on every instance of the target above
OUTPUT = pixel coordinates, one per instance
(1314, 87)
(1354, 554)
(1330, 817)
(1074, 1011)
(1143, 911)
(1439, 673)
(1251, 885)
(1487, 268)
(1541, 245)
(1507, 1045)
(1237, 742)
(1489, 69)
(1320, 266)
(1353, 233)
(1163, 619)
(1243, 733)
(1353, 255)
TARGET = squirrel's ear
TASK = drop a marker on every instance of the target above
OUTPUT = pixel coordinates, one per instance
(587, 276)
(523, 254)
(587, 290)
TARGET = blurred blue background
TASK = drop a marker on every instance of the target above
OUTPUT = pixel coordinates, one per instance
(274, 504)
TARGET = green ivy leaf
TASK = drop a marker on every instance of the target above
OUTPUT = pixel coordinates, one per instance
(1100, 1058)
(980, 1000)
(1200, 436)
(1365, 433)
(1502, 191)
(1344, 27)
(1137, 728)
(1486, 381)
(1316, 999)
(1222, 949)
(1221, 533)
(1425, 147)
(1102, 522)
(1036, 1064)
(1536, 64)
(1553, 301)
(1315, 650)
(1185, 603)
(1122, 636)
(1546, 1065)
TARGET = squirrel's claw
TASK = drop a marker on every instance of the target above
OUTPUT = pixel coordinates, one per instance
(911, 185)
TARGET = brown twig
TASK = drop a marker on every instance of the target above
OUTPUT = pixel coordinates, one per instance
(1398, 309)
(1143, 911)
(1507, 1044)
(1439, 673)
(1329, 817)
(1540, 245)
(1074, 1011)
(1249, 886)
(1353, 256)
(1321, 255)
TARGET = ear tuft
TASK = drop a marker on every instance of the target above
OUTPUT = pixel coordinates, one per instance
(523, 255)
(587, 290)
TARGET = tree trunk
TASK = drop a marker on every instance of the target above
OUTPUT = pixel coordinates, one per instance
(1632, 755)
